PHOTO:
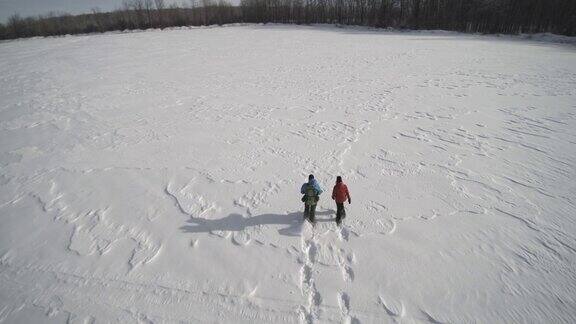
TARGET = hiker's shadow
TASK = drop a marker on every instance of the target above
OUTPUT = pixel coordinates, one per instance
(237, 222)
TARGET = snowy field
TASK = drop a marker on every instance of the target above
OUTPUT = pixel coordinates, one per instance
(154, 177)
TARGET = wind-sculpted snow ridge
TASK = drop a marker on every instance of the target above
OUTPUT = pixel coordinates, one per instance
(154, 177)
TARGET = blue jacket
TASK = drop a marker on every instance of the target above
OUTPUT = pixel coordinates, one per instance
(315, 184)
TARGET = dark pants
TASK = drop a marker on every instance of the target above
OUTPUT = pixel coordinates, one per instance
(340, 212)
(309, 212)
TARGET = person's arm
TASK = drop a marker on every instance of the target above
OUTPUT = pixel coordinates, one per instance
(348, 194)
(317, 187)
(334, 193)
(303, 189)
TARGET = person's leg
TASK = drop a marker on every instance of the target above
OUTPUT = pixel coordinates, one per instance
(312, 213)
(339, 209)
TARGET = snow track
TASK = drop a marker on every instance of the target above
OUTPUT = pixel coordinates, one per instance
(324, 254)
(153, 177)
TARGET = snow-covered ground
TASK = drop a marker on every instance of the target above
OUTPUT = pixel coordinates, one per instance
(155, 176)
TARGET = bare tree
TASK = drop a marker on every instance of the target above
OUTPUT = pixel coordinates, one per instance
(160, 5)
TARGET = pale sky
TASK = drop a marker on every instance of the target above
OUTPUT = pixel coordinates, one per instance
(38, 7)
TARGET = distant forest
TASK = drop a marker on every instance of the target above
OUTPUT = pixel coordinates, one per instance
(483, 16)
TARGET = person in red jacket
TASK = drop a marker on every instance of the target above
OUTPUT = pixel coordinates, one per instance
(340, 194)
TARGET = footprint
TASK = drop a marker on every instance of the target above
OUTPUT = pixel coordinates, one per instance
(344, 234)
(394, 309)
(305, 277)
(344, 302)
(305, 316)
(347, 273)
(220, 233)
(386, 226)
(311, 250)
(315, 298)
(351, 258)
(430, 318)
(345, 263)
(241, 238)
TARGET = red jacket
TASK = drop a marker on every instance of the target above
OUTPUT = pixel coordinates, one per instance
(340, 193)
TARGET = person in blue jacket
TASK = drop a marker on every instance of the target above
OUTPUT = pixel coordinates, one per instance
(311, 191)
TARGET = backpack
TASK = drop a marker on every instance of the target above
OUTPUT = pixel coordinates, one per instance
(310, 196)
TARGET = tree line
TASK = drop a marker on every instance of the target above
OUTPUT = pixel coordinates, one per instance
(484, 16)
(133, 14)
